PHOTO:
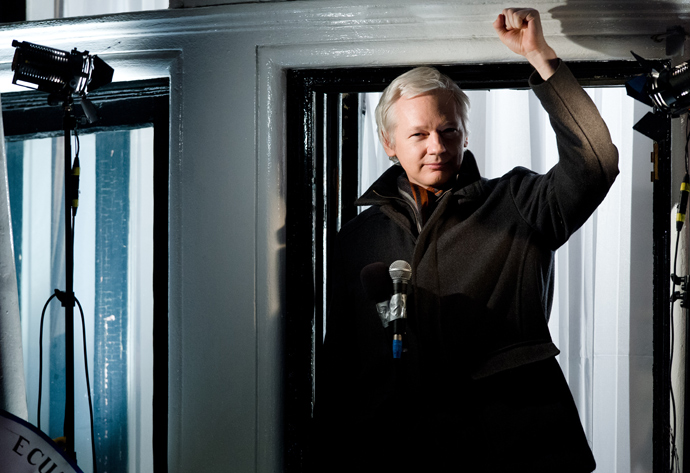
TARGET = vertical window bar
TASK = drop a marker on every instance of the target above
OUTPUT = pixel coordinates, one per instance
(111, 317)
(161, 170)
(329, 195)
(301, 324)
(15, 177)
(338, 168)
(318, 201)
(57, 312)
(349, 161)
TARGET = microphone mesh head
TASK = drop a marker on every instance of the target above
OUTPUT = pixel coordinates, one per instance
(400, 270)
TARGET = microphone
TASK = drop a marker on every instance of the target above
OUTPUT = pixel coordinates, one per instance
(377, 286)
(400, 272)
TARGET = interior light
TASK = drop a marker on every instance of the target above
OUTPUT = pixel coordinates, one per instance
(64, 74)
(60, 73)
(666, 88)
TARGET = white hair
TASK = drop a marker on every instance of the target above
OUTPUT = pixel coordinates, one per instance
(411, 84)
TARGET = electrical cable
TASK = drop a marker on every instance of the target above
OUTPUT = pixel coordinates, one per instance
(40, 360)
(675, 460)
(76, 171)
(76, 139)
(58, 294)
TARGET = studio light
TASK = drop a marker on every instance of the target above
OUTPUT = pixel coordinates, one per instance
(666, 88)
(64, 75)
(60, 73)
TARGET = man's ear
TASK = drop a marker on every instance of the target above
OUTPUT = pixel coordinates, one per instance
(388, 148)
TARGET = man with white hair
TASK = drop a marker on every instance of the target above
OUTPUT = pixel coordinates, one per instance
(477, 387)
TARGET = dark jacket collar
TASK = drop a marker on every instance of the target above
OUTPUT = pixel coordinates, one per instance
(386, 187)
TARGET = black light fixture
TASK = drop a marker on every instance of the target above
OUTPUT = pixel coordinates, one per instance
(60, 73)
(665, 88)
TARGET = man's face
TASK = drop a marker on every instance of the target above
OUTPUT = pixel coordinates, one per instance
(429, 139)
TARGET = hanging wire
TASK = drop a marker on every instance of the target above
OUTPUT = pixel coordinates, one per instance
(687, 142)
(675, 460)
(59, 295)
(40, 360)
(76, 140)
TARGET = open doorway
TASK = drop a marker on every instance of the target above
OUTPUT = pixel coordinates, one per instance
(331, 130)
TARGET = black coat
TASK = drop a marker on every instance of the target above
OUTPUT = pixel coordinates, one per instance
(478, 388)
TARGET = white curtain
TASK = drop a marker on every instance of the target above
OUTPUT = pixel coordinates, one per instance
(12, 386)
(604, 358)
(373, 159)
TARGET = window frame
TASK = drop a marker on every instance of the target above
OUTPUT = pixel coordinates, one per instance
(121, 106)
(315, 128)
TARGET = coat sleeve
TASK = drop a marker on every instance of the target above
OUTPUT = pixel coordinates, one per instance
(559, 202)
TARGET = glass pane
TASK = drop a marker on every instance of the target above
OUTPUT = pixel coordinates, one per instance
(113, 248)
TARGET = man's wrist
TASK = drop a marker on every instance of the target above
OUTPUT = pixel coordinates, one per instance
(544, 61)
